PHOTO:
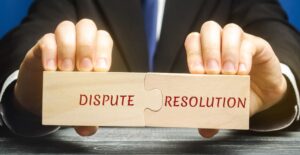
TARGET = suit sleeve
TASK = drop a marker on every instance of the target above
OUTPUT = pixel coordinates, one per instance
(43, 17)
(266, 19)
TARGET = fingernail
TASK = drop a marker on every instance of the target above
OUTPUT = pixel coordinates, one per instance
(228, 67)
(242, 68)
(197, 67)
(101, 64)
(51, 65)
(86, 64)
(213, 65)
(67, 64)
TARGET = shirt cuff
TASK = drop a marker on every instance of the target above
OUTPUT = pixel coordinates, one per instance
(19, 121)
(283, 114)
(13, 77)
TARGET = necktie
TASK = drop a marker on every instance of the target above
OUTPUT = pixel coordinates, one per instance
(150, 18)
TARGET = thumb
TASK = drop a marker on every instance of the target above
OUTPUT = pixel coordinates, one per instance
(86, 130)
(208, 133)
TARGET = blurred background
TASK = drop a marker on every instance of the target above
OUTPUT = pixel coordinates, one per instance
(13, 11)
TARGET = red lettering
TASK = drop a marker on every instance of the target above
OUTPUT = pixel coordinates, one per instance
(130, 100)
(218, 101)
(83, 99)
(240, 102)
(122, 97)
(184, 101)
(211, 103)
(105, 99)
(90, 99)
(224, 99)
(112, 98)
(97, 100)
(176, 101)
(228, 102)
(195, 101)
(201, 105)
(168, 99)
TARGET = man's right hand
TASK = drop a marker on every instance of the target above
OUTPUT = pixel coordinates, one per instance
(80, 47)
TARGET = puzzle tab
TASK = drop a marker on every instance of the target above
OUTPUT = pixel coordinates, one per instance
(200, 101)
(146, 99)
(94, 99)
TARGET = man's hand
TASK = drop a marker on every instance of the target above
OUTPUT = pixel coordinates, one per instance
(230, 51)
(79, 47)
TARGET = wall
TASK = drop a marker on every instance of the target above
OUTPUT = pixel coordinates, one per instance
(13, 11)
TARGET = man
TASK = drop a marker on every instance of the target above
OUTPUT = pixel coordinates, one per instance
(193, 36)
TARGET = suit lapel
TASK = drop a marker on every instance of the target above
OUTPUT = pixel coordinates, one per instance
(126, 23)
(179, 17)
(125, 20)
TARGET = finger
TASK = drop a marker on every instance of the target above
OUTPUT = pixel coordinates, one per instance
(266, 66)
(86, 31)
(211, 46)
(104, 47)
(48, 48)
(246, 53)
(66, 40)
(193, 52)
(263, 50)
(208, 133)
(86, 130)
(231, 43)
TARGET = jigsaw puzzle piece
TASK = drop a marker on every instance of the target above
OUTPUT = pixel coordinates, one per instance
(200, 101)
(97, 99)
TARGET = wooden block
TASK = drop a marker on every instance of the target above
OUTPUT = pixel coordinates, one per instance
(146, 99)
(94, 99)
(200, 101)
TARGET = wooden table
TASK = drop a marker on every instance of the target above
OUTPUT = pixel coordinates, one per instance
(152, 141)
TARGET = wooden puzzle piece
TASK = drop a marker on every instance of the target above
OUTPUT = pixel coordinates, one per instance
(200, 101)
(97, 99)
(146, 99)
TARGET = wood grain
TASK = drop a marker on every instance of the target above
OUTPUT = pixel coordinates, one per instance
(61, 93)
(153, 141)
(211, 113)
(149, 99)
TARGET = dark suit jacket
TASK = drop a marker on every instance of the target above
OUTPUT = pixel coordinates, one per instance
(124, 20)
